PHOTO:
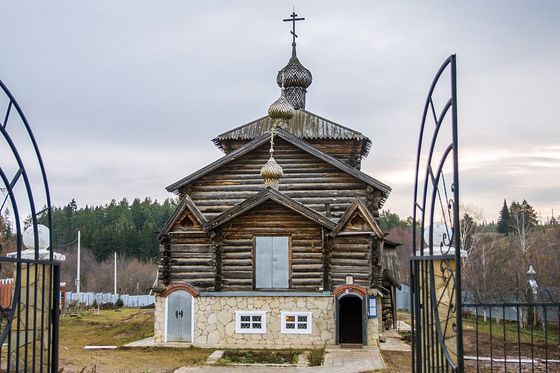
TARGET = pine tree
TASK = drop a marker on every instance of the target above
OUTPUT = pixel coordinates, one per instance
(503, 225)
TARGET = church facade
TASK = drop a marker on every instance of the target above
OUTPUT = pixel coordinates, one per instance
(277, 244)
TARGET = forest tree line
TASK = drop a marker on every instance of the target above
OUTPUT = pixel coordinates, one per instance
(498, 253)
(129, 229)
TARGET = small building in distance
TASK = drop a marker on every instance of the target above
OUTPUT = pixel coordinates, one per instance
(277, 244)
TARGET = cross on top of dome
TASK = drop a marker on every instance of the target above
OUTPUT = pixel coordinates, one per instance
(293, 18)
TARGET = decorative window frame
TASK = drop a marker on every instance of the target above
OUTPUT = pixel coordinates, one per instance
(296, 314)
(251, 330)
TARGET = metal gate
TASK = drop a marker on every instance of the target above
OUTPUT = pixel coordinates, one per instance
(435, 264)
(29, 320)
(520, 335)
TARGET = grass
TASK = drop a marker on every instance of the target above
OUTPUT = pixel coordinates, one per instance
(259, 357)
(316, 357)
(117, 328)
(511, 330)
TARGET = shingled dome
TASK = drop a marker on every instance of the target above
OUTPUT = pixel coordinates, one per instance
(295, 74)
(296, 81)
(281, 108)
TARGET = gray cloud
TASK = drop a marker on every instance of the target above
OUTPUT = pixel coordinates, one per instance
(125, 96)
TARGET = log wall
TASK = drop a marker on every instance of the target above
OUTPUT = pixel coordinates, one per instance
(351, 255)
(193, 259)
(309, 180)
(270, 218)
(348, 151)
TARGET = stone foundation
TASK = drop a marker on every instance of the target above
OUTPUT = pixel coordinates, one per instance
(217, 329)
(159, 320)
(214, 319)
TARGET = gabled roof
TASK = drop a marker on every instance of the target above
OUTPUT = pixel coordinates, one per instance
(269, 194)
(303, 145)
(358, 205)
(304, 125)
(186, 204)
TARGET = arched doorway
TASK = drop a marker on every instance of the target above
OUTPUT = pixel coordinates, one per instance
(350, 319)
(179, 318)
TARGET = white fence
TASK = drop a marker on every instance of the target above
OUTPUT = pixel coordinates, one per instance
(128, 300)
(403, 298)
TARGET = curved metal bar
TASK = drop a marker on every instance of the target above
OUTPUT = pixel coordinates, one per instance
(420, 141)
(39, 159)
(429, 335)
(429, 169)
(434, 193)
(27, 186)
(50, 278)
(17, 284)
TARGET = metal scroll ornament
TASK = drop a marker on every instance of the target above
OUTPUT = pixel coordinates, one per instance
(436, 261)
(29, 321)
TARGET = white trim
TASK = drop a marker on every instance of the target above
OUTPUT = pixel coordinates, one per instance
(296, 314)
(238, 315)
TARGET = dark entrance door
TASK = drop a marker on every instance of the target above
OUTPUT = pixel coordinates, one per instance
(350, 314)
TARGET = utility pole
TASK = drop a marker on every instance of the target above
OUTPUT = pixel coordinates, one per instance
(115, 292)
(78, 266)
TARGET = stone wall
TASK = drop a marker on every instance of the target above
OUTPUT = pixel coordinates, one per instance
(374, 326)
(215, 321)
(159, 319)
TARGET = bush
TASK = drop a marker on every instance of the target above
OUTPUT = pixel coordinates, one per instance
(94, 304)
(119, 303)
(259, 357)
(316, 357)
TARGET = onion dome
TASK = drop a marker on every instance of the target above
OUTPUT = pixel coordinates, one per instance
(296, 81)
(281, 111)
(271, 172)
(295, 74)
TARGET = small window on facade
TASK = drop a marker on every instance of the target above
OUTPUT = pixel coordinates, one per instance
(296, 322)
(272, 262)
(250, 321)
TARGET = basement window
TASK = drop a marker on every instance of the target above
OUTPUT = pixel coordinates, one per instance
(250, 322)
(296, 322)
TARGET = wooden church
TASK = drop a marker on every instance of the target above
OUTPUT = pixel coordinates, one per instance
(277, 243)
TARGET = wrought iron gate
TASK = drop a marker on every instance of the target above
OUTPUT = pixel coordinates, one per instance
(29, 320)
(518, 335)
(435, 265)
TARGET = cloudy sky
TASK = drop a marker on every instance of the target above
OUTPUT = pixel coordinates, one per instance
(124, 96)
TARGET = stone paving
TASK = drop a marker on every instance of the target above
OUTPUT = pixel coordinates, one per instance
(337, 360)
(392, 340)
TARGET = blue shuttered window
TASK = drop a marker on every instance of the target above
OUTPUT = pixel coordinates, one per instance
(272, 262)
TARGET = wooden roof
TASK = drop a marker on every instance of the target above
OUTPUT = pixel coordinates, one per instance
(266, 195)
(294, 140)
(359, 205)
(186, 204)
(304, 125)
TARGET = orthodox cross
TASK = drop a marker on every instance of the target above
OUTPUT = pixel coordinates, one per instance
(293, 18)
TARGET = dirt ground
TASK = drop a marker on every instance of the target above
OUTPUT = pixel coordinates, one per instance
(118, 328)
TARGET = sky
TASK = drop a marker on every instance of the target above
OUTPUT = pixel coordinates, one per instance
(125, 96)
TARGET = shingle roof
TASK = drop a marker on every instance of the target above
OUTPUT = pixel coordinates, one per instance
(303, 124)
(303, 145)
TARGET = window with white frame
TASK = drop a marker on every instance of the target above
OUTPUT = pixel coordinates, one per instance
(296, 322)
(250, 321)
